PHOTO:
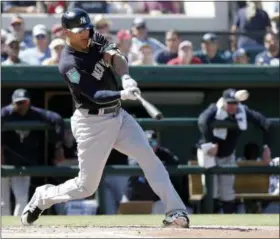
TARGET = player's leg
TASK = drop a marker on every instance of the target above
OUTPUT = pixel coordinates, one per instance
(133, 142)
(226, 186)
(95, 136)
(20, 187)
(5, 196)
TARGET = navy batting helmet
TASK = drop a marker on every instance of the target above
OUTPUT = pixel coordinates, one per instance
(76, 20)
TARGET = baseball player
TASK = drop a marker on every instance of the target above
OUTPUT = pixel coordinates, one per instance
(218, 144)
(88, 63)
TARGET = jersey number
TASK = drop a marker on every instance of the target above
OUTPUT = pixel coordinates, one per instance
(98, 71)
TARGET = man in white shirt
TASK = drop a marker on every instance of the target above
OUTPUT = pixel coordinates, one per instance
(41, 51)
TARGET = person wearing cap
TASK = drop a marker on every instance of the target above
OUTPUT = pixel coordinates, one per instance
(138, 188)
(56, 46)
(17, 28)
(25, 147)
(271, 54)
(13, 49)
(172, 41)
(209, 53)
(103, 26)
(124, 43)
(145, 56)
(140, 34)
(57, 31)
(240, 57)
(217, 145)
(3, 47)
(41, 51)
(185, 55)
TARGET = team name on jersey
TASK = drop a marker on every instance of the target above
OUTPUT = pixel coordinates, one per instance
(99, 69)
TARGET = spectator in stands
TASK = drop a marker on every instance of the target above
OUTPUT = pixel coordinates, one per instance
(13, 48)
(91, 6)
(172, 41)
(166, 7)
(145, 56)
(41, 51)
(121, 7)
(138, 188)
(254, 22)
(103, 26)
(56, 47)
(140, 35)
(210, 53)
(19, 6)
(50, 7)
(18, 30)
(185, 55)
(25, 147)
(3, 37)
(272, 53)
(240, 57)
(124, 44)
(57, 32)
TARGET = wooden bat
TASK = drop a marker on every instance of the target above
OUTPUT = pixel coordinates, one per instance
(150, 108)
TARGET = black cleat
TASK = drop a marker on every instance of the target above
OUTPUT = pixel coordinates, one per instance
(31, 212)
(177, 218)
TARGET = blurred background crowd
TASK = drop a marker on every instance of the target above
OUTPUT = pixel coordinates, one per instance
(258, 43)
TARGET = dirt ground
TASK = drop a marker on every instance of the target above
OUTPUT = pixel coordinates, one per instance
(138, 232)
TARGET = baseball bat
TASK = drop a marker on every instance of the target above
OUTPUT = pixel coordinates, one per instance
(150, 108)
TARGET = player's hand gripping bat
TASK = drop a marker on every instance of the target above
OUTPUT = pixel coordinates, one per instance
(151, 109)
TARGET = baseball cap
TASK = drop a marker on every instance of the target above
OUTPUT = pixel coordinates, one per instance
(185, 43)
(229, 95)
(209, 37)
(16, 19)
(20, 95)
(123, 35)
(139, 23)
(238, 53)
(56, 42)
(11, 38)
(39, 29)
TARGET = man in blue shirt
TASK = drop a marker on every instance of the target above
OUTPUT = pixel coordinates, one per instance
(41, 51)
(272, 54)
(209, 53)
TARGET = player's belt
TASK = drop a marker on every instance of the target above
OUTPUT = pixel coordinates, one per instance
(105, 110)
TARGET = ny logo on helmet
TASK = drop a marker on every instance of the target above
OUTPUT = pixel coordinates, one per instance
(83, 20)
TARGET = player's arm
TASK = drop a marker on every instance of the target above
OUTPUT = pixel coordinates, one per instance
(259, 120)
(205, 119)
(113, 56)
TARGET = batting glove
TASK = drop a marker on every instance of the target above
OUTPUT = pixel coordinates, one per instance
(129, 93)
(128, 82)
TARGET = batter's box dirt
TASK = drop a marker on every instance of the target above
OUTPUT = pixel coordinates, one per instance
(139, 232)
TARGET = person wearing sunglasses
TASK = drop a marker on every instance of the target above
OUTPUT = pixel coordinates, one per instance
(218, 145)
(12, 49)
(41, 51)
(26, 147)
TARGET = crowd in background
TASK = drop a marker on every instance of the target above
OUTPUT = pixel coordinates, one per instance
(136, 43)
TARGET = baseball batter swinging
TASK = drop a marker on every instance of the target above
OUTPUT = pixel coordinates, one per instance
(100, 124)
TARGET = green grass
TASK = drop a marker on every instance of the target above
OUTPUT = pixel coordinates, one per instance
(150, 220)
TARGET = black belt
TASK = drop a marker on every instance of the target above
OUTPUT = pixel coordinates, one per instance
(106, 110)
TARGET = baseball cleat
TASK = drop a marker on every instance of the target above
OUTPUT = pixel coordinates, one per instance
(177, 218)
(31, 211)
